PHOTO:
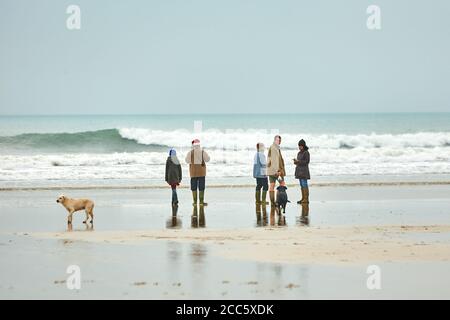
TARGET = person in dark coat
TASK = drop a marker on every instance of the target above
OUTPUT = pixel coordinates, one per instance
(173, 174)
(302, 170)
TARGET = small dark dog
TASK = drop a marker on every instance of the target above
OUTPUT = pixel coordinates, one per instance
(282, 198)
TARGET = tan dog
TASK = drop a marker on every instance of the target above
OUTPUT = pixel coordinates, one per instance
(73, 205)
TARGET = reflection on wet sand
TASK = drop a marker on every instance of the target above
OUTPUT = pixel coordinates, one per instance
(261, 215)
(201, 221)
(264, 214)
(276, 217)
(272, 215)
(258, 215)
(198, 252)
(87, 227)
(174, 222)
(303, 219)
(174, 252)
(198, 217)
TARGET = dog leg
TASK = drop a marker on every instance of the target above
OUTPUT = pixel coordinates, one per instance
(91, 213)
(87, 216)
(69, 217)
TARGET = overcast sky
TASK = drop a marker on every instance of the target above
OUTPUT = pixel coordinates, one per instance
(219, 56)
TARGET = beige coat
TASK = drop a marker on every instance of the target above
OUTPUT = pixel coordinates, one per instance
(197, 158)
(275, 162)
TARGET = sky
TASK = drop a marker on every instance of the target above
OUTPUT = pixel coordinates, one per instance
(224, 56)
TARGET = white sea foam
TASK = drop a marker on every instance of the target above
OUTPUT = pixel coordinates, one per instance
(231, 154)
(246, 139)
(224, 163)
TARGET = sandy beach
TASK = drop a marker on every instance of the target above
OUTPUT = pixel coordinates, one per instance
(315, 245)
(236, 249)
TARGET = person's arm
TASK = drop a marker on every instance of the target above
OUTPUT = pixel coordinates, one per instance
(262, 160)
(297, 161)
(167, 171)
(305, 160)
(180, 172)
(281, 166)
(188, 157)
(205, 156)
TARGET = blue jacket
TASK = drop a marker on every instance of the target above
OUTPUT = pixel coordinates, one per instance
(259, 165)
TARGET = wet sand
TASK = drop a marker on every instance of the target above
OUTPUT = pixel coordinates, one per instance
(231, 249)
(315, 245)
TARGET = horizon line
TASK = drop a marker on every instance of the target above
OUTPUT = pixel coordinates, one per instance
(221, 114)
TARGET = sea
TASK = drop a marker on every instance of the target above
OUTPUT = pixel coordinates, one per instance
(131, 150)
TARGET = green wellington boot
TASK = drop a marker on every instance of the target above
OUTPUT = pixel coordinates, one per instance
(257, 197)
(202, 197)
(194, 196)
(272, 197)
(263, 198)
(305, 196)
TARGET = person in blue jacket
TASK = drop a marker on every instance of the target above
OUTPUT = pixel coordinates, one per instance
(259, 173)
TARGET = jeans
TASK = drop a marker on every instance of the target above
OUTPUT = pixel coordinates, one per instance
(262, 183)
(198, 183)
(174, 194)
(303, 183)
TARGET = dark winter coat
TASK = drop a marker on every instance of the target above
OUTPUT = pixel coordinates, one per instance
(302, 165)
(173, 172)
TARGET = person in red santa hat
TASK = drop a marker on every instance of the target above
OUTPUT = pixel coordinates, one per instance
(197, 158)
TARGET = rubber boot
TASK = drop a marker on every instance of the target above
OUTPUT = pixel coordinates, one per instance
(263, 198)
(257, 197)
(194, 196)
(303, 196)
(305, 199)
(202, 197)
(272, 198)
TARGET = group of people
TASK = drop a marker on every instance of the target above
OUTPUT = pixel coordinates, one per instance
(196, 158)
(267, 171)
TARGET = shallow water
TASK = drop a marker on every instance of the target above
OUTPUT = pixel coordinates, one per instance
(36, 268)
(228, 208)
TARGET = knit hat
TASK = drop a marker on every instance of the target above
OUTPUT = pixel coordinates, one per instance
(303, 144)
(173, 156)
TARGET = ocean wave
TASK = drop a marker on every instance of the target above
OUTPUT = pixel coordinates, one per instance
(223, 164)
(148, 140)
(100, 141)
(246, 139)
